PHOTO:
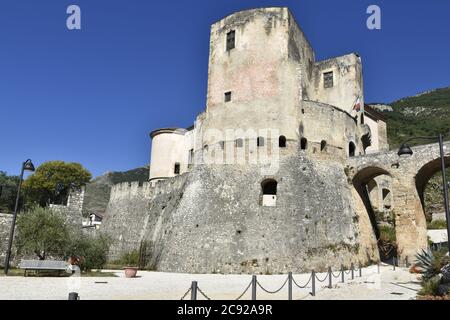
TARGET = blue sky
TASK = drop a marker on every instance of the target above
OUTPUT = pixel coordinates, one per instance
(93, 95)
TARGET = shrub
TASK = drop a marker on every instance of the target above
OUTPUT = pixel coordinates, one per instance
(430, 286)
(437, 224)
(130, 259)
(93, 251)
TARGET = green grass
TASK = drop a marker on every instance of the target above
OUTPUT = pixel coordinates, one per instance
(437, 224)
(387, 233)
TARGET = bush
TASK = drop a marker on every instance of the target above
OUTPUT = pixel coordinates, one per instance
(430, 286)
(130, 259)
(93, 251)
(437, 224)
(387, 234)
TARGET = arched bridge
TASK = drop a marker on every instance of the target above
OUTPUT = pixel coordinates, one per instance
(409, 175)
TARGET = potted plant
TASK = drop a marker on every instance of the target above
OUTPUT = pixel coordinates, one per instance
(131, 260)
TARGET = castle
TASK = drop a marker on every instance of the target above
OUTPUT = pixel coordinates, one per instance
(280, 173)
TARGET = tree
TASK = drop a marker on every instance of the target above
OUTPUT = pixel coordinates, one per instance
(42, 232)
(52, 181)
(8, 191)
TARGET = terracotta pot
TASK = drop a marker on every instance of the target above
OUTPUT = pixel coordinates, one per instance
(130, 272)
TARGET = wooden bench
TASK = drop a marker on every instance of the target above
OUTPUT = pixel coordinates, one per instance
(44, 265)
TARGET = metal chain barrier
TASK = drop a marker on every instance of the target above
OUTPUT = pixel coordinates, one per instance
(272, 292)
(348, 271)
(336, 276)
(323, 280)
(245, 291)
(203, 294)
(187, 292)
(299, 286)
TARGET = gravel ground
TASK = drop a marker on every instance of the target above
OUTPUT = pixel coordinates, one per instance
(388, 285)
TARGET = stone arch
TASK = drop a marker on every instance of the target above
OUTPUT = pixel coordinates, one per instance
(426, 172)
(269, 192)
(361, 180)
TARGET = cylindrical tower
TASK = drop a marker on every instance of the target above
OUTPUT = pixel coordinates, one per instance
(168, 156)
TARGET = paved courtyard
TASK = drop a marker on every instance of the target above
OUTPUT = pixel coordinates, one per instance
(388, 284)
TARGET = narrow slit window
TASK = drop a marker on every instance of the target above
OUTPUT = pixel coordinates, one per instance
(231, 36)
(282, 142)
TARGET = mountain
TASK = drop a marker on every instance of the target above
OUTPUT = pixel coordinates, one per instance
(98, 190)
(425, 114)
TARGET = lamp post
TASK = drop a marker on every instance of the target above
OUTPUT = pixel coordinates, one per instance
(28, 166)
(406, 150)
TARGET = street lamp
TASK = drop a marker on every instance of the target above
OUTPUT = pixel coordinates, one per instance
(406, 150)
(28, 166)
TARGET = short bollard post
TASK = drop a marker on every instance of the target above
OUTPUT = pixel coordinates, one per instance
(406, 262)
(194, 290)
(342, 273)
(290, 286)
(393, 262)
(360, 271)
(254, 287)
(352, 267)
(378, 267)
(330, 278)
(73, 296)
(313, 283)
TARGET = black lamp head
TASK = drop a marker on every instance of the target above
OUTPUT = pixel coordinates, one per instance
(405, 150)
(28, 165)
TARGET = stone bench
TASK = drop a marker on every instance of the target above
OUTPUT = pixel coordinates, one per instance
(44, 265)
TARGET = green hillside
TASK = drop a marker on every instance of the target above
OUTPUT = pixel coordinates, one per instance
(426, 114)
(422, 115)
(98, 190)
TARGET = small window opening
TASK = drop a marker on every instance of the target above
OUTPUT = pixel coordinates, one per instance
(222, 144)
(328, 79)
(191, 158)
(303, 143)
(239, 143)
(269, 187)
(351, 149)
(323, 145)
(176, 169)
(260, 142)
(228, 96)
(231, 36)
(282, 142)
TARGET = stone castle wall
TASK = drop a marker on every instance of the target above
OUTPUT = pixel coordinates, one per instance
(211, 220)
(5, 227)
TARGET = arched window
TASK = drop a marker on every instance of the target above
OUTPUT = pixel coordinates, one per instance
(303, 143)
(351, 149)
(282, 142)
(269, 187)
(269, 193)
(239, 143)
(323, 145)
(260, 142)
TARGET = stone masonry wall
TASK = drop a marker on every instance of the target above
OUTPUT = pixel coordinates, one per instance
(5, 227)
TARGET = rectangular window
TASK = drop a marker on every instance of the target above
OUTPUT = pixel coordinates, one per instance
(328, 79)
(228, 96)
(191, 158)
(176, 170)
(230, 40)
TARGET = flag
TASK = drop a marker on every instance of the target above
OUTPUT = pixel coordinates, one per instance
(357, 105)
